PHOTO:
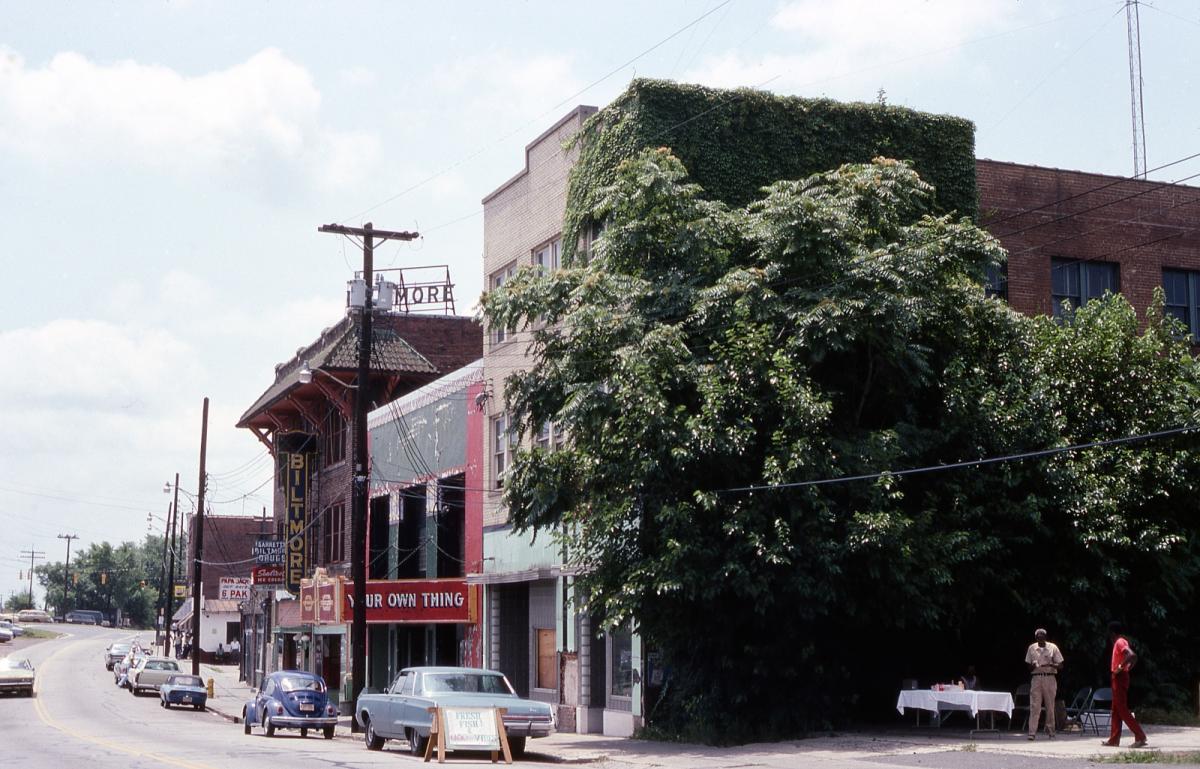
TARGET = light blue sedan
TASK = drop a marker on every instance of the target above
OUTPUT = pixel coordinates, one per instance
(183, 690)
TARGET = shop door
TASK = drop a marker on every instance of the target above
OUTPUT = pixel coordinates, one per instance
(331, 663)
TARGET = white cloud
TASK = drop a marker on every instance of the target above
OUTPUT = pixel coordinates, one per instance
(261, 112)
(854, 41)
(90, 365)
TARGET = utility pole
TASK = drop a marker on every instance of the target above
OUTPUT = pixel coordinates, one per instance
(1134, 33)
(358, 502)
(31, 555)
(162, 587)
(198, 547)
(67, 573)
(174, 520)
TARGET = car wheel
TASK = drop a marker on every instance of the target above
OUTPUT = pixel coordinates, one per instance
(201, 708)
(374, 741)
(303, 731)
(164, 704)
(245, 723)
(516, 746)
(416, 743)
(268, 727)
(329, 732)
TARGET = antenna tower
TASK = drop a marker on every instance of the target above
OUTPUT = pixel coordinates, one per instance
(1135, 87)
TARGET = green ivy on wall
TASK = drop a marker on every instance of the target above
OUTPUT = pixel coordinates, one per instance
(735, 142)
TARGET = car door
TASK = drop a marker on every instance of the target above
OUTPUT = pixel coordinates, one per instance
(406, 714)
(391, 722)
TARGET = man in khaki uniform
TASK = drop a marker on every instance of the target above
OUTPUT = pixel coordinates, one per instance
(1044, 660)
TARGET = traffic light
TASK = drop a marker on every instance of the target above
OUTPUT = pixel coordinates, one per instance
(75, 578)
(104, 578)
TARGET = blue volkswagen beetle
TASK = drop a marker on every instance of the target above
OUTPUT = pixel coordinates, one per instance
(291, 699)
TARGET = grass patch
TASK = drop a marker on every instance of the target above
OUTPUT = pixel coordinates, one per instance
(1149, 757)
(970, 747)
(32, 633)
(1165, 717)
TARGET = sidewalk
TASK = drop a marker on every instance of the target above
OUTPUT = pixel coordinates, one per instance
(874, 746)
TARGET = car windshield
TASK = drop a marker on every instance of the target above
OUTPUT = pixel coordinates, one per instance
(119, 649)
(481, 683)
(161, 665)
(8, 663)
(301, 684)
(185, 681)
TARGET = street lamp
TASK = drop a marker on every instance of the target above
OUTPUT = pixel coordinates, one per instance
(306, 373)
(169, 609)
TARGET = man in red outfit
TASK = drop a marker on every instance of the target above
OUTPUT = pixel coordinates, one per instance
(1123, 659)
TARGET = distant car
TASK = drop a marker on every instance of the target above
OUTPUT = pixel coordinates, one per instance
(6, 635)
(16, 676)
(16, 629)
(151, 673)
(33, 615)
(183, 690)
(122, 668)
(401, 713)
(291, 699)
(84, 617)
(114, 653)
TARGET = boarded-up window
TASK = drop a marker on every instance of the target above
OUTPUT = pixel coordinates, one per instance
(547, 660)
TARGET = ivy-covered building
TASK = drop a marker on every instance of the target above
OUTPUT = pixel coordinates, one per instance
(733, 143)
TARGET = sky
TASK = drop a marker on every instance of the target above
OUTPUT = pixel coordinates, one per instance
(164, 167)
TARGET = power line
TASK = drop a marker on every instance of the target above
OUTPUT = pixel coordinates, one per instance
(960, 465)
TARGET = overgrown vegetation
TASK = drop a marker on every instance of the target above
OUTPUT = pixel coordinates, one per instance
(736, 142)
(836, 327)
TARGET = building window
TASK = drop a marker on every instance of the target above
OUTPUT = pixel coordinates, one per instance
(544, 439)
(333, 439)
(622, 663)
(995, 282)
(1078, 282)
(497, 280)
(504, 440)
(547, 659)
(1182, 289)
(333, 542)
(546, 257)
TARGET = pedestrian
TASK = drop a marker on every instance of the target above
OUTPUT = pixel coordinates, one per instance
(1044, 660)
(1123, 660)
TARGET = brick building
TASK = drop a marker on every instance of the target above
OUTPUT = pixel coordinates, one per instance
(305, 420)
(1072, 235)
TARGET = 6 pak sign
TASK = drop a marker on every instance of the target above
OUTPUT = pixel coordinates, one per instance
(420, 601)
(235, 588)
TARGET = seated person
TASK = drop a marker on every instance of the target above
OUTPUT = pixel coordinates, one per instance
(970, 680)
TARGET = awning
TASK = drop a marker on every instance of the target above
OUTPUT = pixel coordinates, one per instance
(221, 606)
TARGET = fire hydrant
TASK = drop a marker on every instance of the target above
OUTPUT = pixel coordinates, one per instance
(211, 694)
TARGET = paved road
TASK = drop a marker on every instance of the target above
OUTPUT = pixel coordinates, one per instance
(79, 718)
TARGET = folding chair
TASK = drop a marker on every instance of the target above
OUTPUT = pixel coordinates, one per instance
(1079, 704)
(1099, 708)
(1020, 703)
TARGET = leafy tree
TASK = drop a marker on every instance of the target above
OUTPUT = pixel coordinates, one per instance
(829, 330)
(107, 578)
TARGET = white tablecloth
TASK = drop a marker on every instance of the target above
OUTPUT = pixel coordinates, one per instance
(955, 699)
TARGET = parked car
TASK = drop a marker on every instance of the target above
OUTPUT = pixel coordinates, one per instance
(151, 673)
(33, 615)
(16, 629)
(401, 713)
(84, 617)
(183, 690)
(291, 699)
(114, 653)
(122, 669)
(6, 635)
(16, 676)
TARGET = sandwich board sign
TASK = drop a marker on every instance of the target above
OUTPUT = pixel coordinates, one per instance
(468, 729)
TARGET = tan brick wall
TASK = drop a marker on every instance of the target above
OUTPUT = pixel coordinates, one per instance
(523, 213)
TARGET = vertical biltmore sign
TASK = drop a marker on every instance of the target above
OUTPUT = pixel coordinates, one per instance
(295, 488)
